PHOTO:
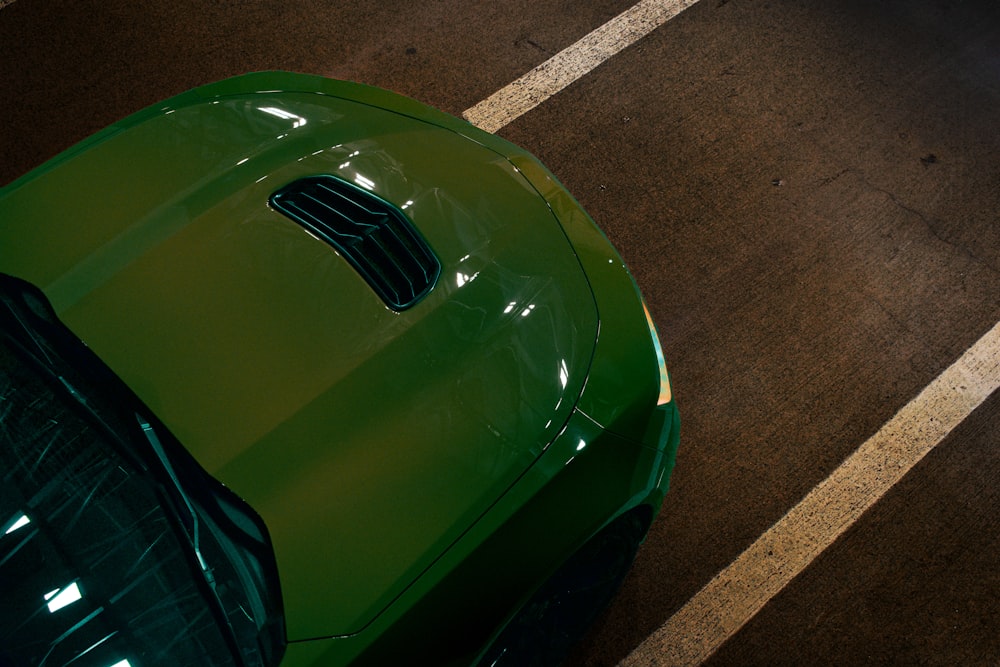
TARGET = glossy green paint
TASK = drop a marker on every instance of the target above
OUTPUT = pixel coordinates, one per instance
(397, 458)
(448, 615)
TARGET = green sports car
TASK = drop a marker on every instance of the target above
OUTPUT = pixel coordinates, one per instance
(302, 372)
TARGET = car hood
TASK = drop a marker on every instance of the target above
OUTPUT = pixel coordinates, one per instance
(369, 440)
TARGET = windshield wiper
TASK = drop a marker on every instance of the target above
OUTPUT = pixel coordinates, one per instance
(218, 534)
(194, 528)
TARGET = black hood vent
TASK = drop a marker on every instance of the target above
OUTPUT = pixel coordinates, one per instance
(373, 235)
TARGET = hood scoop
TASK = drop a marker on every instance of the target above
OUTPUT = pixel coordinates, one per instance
(376, 237)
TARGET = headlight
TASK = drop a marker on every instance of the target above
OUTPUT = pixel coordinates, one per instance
(665, 395)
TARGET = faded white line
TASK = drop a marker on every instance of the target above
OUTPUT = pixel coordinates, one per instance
(573, 62)
(737, 593)
(4, 3)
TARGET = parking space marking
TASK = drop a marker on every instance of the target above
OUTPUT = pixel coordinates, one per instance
(4, 3)
(737, 593)
(573, 62)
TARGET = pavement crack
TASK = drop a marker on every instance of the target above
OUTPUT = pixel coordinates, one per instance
(930, 225)
(533, 44)
(830, 179)
(928, 222)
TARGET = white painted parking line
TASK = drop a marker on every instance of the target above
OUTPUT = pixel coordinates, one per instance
(737, 593)
(4, 3)
(573, 62)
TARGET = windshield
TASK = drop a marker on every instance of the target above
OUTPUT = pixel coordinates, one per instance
(116, 549)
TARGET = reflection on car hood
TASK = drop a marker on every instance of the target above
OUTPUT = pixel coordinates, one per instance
(368, 440)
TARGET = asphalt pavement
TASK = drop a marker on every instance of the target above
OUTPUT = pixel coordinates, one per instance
(806, 191)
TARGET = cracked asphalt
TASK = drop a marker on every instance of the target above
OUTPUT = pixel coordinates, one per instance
(807, 193)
